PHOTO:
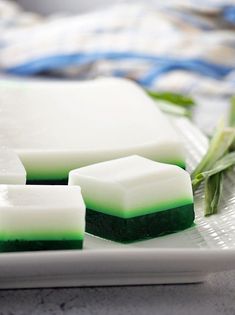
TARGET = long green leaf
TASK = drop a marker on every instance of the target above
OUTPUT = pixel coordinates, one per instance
(221, 165)
(231, 119)
(175, 98)
(213, 188)
(215, 162)
(219, 145)
(231, 116)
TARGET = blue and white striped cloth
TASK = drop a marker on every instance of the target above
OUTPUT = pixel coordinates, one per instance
(183, 46)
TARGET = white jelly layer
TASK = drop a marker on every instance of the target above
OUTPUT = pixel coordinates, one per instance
(132, 186)
(59, 126)
(41, 212)
(12, 170)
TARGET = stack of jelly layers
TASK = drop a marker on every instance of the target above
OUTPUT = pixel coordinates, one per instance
(90, 129)
(36, 217)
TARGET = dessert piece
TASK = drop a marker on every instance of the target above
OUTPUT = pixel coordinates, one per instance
(134, 198)
(12, 170)
(58, 126)
(41, 218)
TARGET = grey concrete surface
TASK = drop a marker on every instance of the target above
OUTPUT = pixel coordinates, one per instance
(214, 297)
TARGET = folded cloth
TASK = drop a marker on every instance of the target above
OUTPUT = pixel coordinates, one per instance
(183, 46)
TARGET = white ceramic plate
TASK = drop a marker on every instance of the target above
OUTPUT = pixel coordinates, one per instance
(187, 256)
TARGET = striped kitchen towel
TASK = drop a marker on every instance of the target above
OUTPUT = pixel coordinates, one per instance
(182, 45)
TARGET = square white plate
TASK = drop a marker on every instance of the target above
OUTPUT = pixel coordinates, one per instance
(187, 256)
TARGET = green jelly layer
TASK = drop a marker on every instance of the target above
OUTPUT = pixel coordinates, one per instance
(141, 227)
(117, 212)
(22, 245)
(61, 178)
(41, 235)
(62, 181)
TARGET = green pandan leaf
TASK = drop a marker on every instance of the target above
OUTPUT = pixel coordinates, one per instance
(222, 164)
(219, 145)
(213, 188)
(231, 119)
(174, 98)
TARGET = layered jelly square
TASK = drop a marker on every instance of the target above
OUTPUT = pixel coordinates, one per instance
(135, 198)
(41, 218)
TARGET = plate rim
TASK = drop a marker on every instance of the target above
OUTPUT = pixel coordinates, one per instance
(150, 262)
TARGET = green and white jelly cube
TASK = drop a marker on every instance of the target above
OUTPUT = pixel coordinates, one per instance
(132, 186)
(41, 217)
(135, 198)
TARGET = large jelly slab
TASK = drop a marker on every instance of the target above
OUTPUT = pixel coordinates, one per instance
(59, 126)
(41, 217)
(12, 170)
(132, 186)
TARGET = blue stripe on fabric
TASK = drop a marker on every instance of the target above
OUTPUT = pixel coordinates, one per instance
(197, 66)
(161, 64)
